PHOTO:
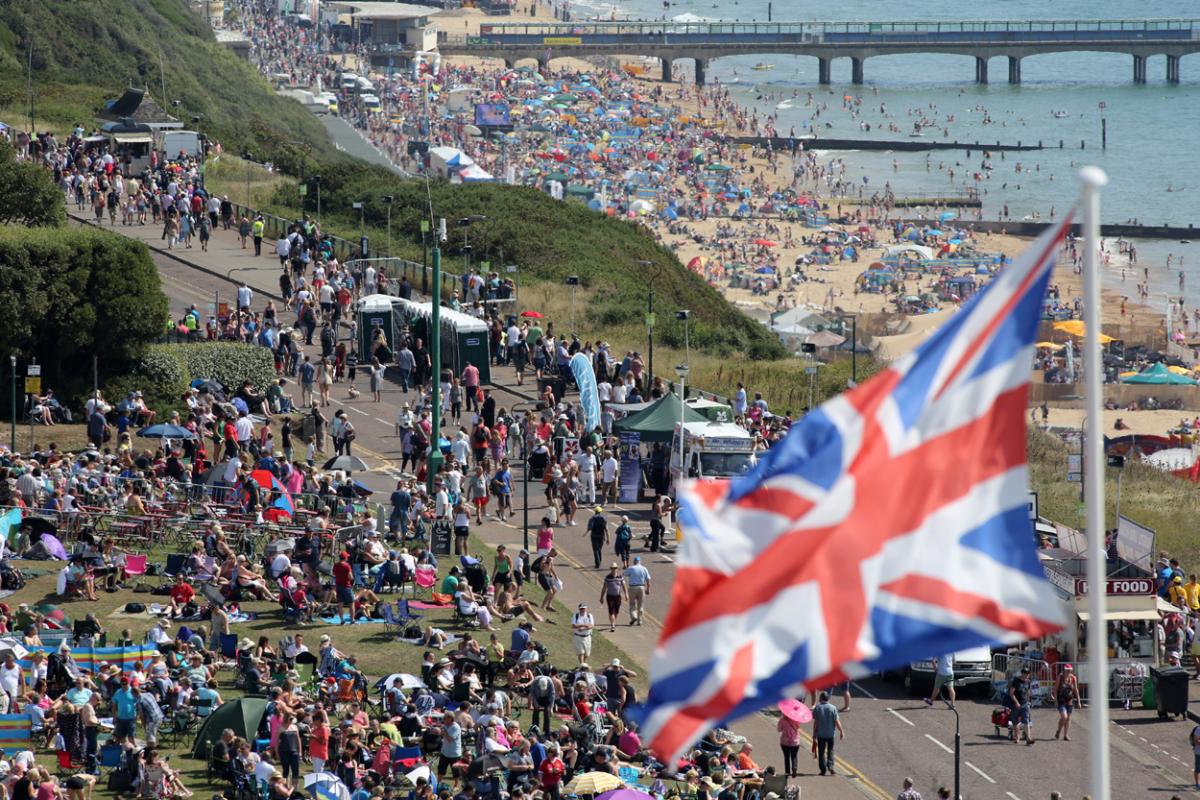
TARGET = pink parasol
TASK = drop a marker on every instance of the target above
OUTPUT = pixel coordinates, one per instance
(795, 711)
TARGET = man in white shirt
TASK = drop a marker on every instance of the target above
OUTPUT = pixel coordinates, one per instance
(514, 338)
(610, 469)
(604, 391)
(582, 624)
(245, 297)
(232, 467)
(619, 393)
(441, 500)
(281, 564)
(245, 429)
(296, 647)
(587, 476)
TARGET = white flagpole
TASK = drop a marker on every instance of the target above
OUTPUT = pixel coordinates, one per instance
(1091, 179)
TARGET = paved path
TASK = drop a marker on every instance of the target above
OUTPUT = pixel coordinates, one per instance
(888, 735)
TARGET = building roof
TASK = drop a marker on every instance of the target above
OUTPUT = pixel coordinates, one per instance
(372, 9)
(137, 105)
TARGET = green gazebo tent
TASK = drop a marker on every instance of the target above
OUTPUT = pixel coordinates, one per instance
(1159, 374)
(242, 716)
(657, 423)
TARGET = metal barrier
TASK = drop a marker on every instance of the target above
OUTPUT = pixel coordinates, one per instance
(419, 275)
(1042, 677)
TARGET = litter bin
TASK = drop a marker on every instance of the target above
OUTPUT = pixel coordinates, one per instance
(1170, 690)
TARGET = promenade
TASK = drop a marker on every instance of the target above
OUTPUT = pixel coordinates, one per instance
(888, 734)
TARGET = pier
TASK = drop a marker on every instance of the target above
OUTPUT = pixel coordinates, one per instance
(982, 41)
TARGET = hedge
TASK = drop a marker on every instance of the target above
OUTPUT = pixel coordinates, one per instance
(166, 370)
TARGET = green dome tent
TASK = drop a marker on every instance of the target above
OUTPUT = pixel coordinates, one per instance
(242, 716)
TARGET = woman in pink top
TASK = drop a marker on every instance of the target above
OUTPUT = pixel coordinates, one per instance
(789, 743)
(295, 481)
(545, 537)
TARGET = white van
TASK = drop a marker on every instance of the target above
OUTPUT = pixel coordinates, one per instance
(972, 668)
(364, 86)
(371, 103)
(349, 80)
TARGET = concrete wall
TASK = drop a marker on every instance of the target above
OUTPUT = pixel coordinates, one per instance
(1065, 395)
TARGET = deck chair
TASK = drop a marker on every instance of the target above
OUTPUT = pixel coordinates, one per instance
(229, 645)
(65, 764)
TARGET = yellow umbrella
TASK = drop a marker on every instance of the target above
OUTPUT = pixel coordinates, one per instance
(1075, 327)
(1130, 373)
(593, 783)
(1180, 371)
(1051, 345)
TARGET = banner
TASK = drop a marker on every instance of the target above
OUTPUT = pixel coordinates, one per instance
(631, 467)
(585, 379)
(93, 658)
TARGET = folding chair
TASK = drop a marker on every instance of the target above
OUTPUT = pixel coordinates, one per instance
(404, 614)
(176, 562)
(390, 623)
(425, 578)
(135, 564)
(66, 766)
(229, 645)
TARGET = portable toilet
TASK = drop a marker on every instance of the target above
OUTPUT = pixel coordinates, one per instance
(375, 311)
(465, 339)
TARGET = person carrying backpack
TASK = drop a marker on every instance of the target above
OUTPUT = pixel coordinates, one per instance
(622, 539)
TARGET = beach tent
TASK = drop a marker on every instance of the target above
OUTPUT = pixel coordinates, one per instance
(905, 249)
(242, 716)
(1159, 374)
(657, 423)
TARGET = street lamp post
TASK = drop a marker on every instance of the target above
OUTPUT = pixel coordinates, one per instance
(682, 371)
(957, 749)
(387, 201)
(317, 181)
(246, 157)
(573, 282)
(361, 208)
(13, 440)
(649, 317)
(683, 315)
(525, 480)
(424, 257)
(435, 355)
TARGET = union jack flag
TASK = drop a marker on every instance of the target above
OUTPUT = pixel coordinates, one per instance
(890, 524)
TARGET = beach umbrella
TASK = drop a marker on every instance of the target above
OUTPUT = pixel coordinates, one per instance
(593, 783)
(533, 315)
(623, 794)
(346, 464)
(55, 548)
(795, 711)
(766, 243)
(209, 386)
(697, 264)
(764, 271)
(325, 786)
(361, 489)
(404, 679)
(36, 526)
(12, 646)
(946, 216)
(166, 430)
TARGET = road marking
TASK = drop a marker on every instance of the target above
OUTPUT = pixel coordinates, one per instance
(1143, 738)
(1013, 796)
(939, 744)
(356, 411)
(981, 773)
(384, 421)
(901, 717)
(864, 691)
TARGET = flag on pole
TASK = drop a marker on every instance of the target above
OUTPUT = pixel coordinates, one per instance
(890, 524)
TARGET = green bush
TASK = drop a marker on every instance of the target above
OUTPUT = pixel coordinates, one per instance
(160, 375)
(228, 362)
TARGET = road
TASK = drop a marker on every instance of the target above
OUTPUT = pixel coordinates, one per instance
(888, 735)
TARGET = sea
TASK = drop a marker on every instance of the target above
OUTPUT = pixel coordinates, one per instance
(1153, 130)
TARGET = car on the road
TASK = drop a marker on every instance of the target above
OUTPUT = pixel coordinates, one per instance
(371, 103)
(330, 100)
(972, 671)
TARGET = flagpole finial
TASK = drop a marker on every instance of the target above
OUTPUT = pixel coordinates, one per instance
(1093, 176)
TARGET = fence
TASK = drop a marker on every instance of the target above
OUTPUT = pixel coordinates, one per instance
(1042, 677)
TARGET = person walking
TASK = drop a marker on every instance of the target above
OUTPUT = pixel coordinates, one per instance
(256, 231)
(582, 624)
(343, 581)
(908, 792)
(825, 725)
(789, 743)
(943, 676)
(637, 579)
(597, 529)
(1066, 694)
(1019, 701)
(622, 540)
(612, 593)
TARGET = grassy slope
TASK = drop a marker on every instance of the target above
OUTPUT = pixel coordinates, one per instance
(1152, 498)
(87, 52)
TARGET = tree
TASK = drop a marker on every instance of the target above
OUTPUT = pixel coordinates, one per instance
(77, 293)
(28, 195)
